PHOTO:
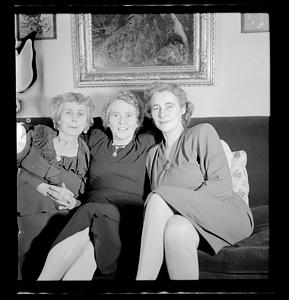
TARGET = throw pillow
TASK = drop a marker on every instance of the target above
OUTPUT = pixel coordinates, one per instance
(240, 175)
(237, 161)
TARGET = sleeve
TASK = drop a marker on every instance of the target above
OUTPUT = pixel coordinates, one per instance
(26, 176)
(147, 140)
(150, 159)
(151, 139)
(86, 167)
(213, 163)
(94, 138)
(30, 178)
(21, 155)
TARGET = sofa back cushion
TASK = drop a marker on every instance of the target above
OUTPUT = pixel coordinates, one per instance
(250, 134)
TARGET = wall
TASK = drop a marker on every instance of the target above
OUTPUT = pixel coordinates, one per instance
(242, 73)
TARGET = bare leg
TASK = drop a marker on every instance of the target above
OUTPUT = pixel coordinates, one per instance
(181, 243)
(152, 241)
(84, 267)
(62, 256)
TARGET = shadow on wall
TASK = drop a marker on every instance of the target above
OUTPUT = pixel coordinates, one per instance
(99, 98)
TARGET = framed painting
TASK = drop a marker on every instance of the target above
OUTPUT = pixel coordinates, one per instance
(254, 22)
(44, 24)
(137, 49)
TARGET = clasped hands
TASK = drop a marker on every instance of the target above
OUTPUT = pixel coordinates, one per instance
(60, 194)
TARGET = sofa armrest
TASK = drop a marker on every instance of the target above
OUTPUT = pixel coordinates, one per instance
(261, 217)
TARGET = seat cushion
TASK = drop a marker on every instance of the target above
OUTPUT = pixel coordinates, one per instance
(249, 256)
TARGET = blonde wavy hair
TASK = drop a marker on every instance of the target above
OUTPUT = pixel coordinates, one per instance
(56, 105)
(175, 89)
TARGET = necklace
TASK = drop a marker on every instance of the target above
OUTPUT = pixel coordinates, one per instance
(61, 148)
(63, 142)
(116, 148)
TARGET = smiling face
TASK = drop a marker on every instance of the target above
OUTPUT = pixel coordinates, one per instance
(166, 111)
(73, 119)
(122, 121)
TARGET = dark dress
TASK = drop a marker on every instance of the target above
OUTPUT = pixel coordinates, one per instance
(196, 182)
(39, 220)
(114, 211)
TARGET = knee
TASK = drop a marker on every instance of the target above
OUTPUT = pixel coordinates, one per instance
(155, 203)
(88, 248)
(73, 244)
(179, 231)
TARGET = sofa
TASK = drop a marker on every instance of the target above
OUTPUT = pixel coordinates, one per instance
(249, 258)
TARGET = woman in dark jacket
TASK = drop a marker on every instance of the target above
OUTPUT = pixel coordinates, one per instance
(51, 176)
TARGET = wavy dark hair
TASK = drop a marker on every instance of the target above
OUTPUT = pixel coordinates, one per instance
(174, 89)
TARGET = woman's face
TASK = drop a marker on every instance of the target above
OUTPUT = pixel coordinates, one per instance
(73, 118)
(122, 121)
(166, 111)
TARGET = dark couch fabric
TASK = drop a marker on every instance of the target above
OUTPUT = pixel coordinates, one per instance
(247, 259)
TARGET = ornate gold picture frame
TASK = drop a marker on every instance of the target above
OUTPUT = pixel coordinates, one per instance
(134, 50)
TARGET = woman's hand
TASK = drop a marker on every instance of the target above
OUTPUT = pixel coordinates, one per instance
(61, 195)
(43, 188)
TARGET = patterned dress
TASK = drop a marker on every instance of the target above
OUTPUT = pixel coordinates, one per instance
(196, 182)
(39, 220)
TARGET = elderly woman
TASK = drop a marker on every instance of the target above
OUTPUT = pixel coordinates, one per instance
(52, 174)
(95, 235)
(192, 203)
